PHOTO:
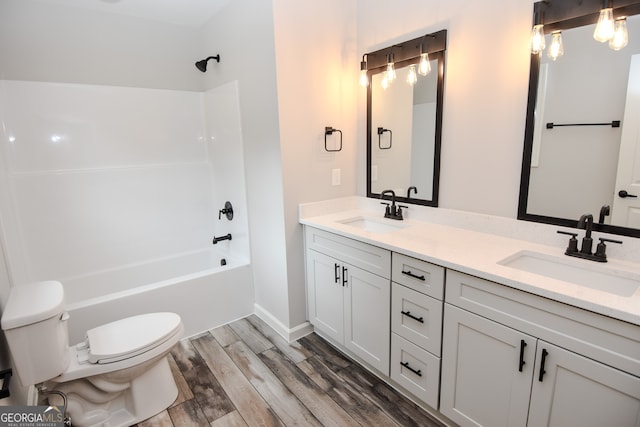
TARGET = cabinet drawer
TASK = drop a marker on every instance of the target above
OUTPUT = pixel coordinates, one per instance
(416, 370)
(610, 341)
(368, 257)
(418, 275)
(416, 317)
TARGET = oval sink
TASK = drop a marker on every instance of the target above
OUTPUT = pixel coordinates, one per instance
(583, 273)
(376, 225)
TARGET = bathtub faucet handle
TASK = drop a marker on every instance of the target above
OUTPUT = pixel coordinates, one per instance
(227, 211)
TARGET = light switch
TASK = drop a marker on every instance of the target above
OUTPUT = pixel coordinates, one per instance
(335, 177)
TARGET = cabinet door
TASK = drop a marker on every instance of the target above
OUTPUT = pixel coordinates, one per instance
(367, 324)
(325, 295)
(484, 382)
(576, 391)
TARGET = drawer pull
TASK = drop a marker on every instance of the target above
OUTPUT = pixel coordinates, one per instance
(522, 362)
(415, 276)
(417, 372)
(344, 276)
(336, 272)
(417, 319)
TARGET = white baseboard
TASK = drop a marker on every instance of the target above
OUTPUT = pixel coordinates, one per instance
(289, 334)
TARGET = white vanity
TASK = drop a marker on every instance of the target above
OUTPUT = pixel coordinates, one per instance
(482, 327)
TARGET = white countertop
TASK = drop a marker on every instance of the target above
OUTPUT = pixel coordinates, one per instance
(478, 253)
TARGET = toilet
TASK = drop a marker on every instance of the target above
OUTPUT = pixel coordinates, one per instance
(118, 376)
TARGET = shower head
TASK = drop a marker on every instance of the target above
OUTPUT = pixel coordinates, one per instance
(202, 64)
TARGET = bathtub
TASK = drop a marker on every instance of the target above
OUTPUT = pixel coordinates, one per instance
(206, 288)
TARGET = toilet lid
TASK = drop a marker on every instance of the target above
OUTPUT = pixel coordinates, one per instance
(131, 336)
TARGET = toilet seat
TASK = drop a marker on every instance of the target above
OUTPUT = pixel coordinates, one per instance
(127, 338)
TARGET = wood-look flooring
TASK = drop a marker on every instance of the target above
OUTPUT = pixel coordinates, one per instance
(244, 374)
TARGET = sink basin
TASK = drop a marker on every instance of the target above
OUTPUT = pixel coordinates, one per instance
(376, 225)
(583, 273)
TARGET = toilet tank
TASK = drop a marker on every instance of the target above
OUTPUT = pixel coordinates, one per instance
(35, 325)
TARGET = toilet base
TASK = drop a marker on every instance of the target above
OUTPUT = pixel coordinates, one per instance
(100, 400)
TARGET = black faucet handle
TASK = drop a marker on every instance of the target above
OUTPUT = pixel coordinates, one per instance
(387, 209)
(573, 242)
(399, 211)
(601, 249)
(604, 239)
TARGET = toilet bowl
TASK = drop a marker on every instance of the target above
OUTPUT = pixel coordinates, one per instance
(119, 375)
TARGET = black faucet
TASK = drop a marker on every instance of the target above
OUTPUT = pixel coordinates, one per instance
(604, 211)
(586, 222)
(393, 211)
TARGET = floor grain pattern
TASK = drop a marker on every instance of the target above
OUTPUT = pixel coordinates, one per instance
(244, 374)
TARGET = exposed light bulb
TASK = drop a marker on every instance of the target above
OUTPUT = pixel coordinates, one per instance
(364, 79)
(424, 67)
(556, 50)
(537, 43)
(391, 72)
(620, 35)
(605, 26)
(412, 77)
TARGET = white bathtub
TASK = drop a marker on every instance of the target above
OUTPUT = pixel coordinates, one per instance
(195, 285)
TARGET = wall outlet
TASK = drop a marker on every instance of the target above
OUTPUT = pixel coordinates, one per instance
(335, 177)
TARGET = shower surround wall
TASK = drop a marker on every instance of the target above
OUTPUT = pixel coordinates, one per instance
(97, 179)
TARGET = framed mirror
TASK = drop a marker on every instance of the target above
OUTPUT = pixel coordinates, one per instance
(582, 137)
(404, 120)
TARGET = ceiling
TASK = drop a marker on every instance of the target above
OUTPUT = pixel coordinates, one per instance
(191, 13)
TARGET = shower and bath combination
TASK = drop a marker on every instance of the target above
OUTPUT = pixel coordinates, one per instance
(202, 64)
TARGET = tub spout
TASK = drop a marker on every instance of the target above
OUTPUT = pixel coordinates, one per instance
(221, 238)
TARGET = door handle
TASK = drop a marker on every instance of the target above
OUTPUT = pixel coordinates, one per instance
(545, 353)
(521, 363)
(344, 276)
(336, 272)
(624, 194)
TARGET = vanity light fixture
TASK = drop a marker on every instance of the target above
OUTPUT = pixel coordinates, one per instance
(556, 50)
(620, 35)
(364, 78)
(607, 29)
(605, 26)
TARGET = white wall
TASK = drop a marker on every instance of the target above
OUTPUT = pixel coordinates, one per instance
(55, 43)
(317, 65)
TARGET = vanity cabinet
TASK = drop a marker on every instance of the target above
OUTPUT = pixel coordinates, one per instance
(416, 325)
(348, 294)
(553, 365)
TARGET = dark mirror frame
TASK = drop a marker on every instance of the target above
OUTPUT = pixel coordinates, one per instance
(405, 54)
(562, 15)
